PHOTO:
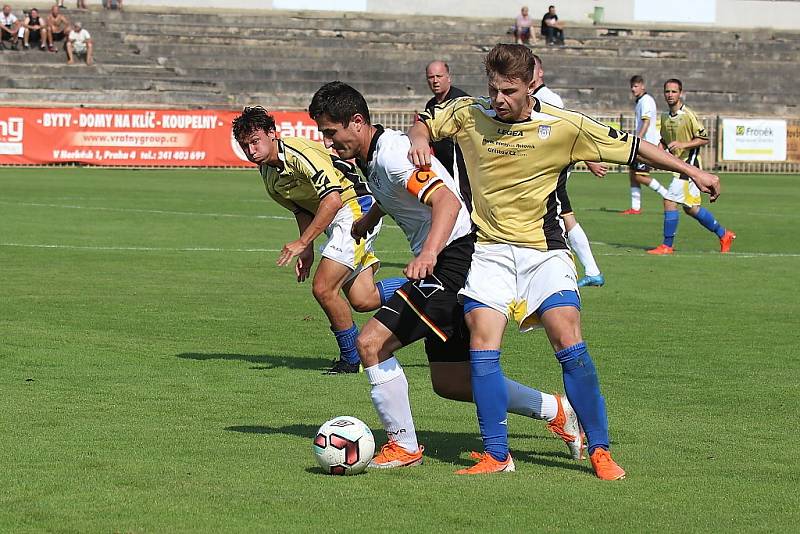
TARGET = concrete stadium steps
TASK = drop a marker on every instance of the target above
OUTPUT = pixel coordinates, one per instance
(280, 58)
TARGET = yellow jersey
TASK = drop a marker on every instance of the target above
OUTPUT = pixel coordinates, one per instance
(515, 167)
(309, 173)
(683, 126)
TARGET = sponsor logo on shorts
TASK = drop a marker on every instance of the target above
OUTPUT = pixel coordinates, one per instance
(429, 286)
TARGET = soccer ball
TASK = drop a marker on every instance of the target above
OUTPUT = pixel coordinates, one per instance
(344, 446)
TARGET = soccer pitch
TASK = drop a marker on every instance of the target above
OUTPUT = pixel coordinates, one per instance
(159, 373)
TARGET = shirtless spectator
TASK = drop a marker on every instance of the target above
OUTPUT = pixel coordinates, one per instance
(57, 27)
(9, 26)
(79, 43)
(35, 30)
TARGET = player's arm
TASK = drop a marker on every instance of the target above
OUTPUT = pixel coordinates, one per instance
(444, 213)
(695, 142)
(597, 168)
(661, 159)
(306, 258)
(366, 223)
(420, 152)
(644, 127)
(310, 230)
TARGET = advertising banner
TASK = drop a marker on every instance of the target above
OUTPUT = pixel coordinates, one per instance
(130, 137)
(793, 142)
(753, 140)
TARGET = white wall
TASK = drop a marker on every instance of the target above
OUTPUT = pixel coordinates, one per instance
(726, 13)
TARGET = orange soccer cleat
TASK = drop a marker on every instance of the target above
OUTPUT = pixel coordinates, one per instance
(604, 467)
(726, 241)
(631, 211)
(661, 250)
(393, 455)
(487, 464)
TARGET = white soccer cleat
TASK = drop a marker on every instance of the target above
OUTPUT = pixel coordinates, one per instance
(566, 426)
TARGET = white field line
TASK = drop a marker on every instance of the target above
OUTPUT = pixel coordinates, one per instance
(160, 212)
(378, 252)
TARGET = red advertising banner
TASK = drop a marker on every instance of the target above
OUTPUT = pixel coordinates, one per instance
(130, 137)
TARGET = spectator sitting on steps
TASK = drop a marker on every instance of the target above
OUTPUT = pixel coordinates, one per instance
(57, 27)
(35, 30)
(79, 43)
(9, 26)
(552, 30)
(522, 27)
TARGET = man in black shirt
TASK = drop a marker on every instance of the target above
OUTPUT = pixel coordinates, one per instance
(438, 76)
(552, 30)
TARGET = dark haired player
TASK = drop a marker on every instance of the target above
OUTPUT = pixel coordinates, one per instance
(326, 195)
(427, 207)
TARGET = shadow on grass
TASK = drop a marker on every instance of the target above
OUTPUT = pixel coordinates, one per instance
(447, 447)
(264, 361)
(272, 361)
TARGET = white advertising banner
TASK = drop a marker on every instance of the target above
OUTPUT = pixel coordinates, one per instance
(685, 11)
(753, 140)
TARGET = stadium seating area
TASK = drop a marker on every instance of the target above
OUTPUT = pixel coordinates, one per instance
(279, 58)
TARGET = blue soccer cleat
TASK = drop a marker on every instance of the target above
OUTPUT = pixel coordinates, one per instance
(598, 281)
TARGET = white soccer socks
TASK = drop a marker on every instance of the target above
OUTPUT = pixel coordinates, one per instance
(658, 188)
(524, 400)
(636, 198)
(389, 394)
(579, 243)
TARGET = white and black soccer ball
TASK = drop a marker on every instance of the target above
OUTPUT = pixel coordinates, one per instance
(344, 446)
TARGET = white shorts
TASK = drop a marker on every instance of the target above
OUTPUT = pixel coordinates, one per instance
(684, 192)
(342, 248)
(516, 280)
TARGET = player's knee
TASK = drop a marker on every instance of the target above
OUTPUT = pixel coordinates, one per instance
(364, 304)
(367, 346)
(322, 291)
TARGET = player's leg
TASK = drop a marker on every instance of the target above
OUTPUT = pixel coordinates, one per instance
(636, 194)
(579, 243)
(671, 218)
(706, 218)
(328, 280)
(642, 176)
(560, 316)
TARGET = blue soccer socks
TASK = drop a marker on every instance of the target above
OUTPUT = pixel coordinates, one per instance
(347, 344)
(670, 226)
(706, 218)
(491, 399)
(583, 391)
(388, 286)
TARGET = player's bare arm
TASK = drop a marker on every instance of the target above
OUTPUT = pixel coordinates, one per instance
(660, 159)
(366, 223)
(420, 152)
(444, 213)
(306, 258)
(328, 207)
(597, 168)
(643, 129)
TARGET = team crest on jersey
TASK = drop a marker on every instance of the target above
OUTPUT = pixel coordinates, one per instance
(544, 131)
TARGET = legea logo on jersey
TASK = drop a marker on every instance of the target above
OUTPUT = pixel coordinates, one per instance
(11, 134)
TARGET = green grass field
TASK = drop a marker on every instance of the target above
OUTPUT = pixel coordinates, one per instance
(159, 373)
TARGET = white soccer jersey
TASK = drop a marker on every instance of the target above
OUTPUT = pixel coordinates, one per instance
(7, 21)
(402, 190)
(646, 109)
(547, 96)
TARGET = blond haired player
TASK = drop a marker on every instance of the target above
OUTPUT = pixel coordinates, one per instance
(515, 148)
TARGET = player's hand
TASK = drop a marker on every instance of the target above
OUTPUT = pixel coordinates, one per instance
(420, 155)
(598, 169)
(361, 228)
(303, 266)
(675, 146)
(420, 267)
(289, 251)
(707, 183)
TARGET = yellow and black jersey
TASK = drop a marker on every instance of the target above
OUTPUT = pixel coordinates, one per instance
(514, 168)
(309, 173)
(683, 126)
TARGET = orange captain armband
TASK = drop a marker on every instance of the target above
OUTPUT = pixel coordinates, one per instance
(421, 179)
